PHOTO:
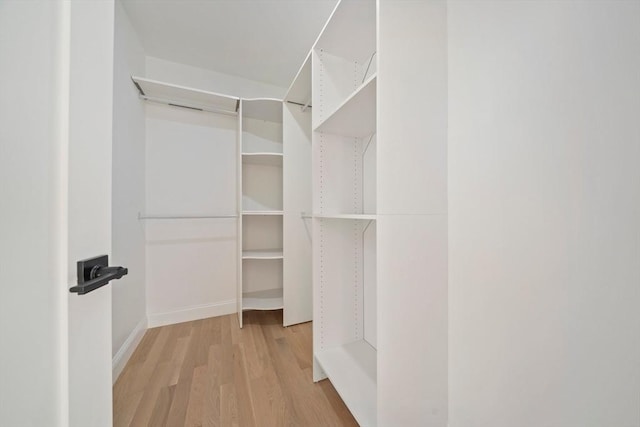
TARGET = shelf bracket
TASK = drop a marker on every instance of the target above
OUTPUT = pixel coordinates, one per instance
(368, 66)
(367, 226)
(303, 216)
(306, 105)
(366, 147)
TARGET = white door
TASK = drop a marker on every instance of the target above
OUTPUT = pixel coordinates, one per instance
(56, 68)
(89, 202)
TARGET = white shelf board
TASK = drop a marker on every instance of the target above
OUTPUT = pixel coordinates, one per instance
(262, 212)
(351, 368)
(263, 300)
(168, 93)
(346, 216)
(263, 254)
(269, 109)
(300, 90)
(350, 31)
(356, 116)
(267, 159)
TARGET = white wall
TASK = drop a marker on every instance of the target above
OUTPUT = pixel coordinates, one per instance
(129, 310)
(190, 170)
(544, 204)
(33, 288)
(200, 78)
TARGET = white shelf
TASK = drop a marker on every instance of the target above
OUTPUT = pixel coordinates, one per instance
(263, 300)
(266, 159)
(356, 116)
(262, 213)
(263, 254)
(182, 96)
(269, 109)
(346, 216)
(351, 368)
(350, 32)
(300, 90)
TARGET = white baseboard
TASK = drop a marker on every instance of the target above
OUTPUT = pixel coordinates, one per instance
(192, 313)
(121, 358)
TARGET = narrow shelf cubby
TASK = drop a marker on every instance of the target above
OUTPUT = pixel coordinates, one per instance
(260, 255)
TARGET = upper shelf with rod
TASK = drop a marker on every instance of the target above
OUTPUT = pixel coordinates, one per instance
(186, 97)
(299, 92)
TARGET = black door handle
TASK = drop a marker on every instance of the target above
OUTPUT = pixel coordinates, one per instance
(94, 273)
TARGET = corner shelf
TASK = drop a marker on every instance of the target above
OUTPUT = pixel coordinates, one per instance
(263, 254)
(356, 116)
(352, 371)
(263, 300)
(265, 159)
(182, 96)
(268, 109)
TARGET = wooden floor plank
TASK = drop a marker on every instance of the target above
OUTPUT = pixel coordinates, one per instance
(228, 406)
(299, 345)
(178, 410)
(161, 409)
(211, 373)
(195, 407)
(148, 403)
(240, 380)
(211, 410)
(126, 409)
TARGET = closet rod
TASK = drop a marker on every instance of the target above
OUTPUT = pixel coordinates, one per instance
(140, 216)
(300, 104)
(190, 107)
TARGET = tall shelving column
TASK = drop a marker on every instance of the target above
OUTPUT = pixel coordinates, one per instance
(260, 199)
(344, 206)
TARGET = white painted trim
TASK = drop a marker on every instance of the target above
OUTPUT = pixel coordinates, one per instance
(188, 314)
(123, 355)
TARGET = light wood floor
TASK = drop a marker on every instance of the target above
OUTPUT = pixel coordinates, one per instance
(212, 373)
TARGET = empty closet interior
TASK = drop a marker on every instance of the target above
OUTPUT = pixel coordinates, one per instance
(263, 199)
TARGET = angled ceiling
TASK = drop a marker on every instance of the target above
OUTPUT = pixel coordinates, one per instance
(262, 40)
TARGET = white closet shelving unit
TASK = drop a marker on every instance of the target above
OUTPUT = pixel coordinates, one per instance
(344, 206)
(269, 277)
(380, 210)
(260, 162)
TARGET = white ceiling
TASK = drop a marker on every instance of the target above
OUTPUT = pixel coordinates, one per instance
(262, 40)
